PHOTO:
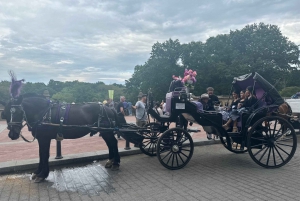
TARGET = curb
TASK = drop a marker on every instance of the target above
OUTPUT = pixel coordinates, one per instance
(23, 165)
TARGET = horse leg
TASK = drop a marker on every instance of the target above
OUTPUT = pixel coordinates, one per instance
(44, 147)
(112, 144)
(35, 173)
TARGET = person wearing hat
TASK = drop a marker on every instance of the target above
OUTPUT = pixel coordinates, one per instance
(141, 113)
(46, 94)
(213, 99)
(204, 100)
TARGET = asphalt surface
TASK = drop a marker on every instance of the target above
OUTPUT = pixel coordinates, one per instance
(212, 174)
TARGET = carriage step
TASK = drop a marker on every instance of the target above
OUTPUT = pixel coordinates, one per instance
(193, 130)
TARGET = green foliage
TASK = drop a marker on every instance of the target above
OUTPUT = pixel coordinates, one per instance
(289, 91)
(74, 91)
(257, 48)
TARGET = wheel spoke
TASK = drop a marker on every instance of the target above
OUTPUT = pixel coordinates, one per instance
(269, 156)
(279, 153)
(177, 160)
(161, 152)
(173, 159)
(169, 158)
(262, 139)
(282, 149)
(274, 156)
(285, 145)
(275, 128)
(258, 145)
(146, 145)
(286, 139)
(181, 142)
(152, 150)
(259, 151)
(263, 155)
(149, 147)
(181, 158)
(184, 154)
(278, 132)
(186, 150)
(166, 155)
(180, 136)
(269, 129)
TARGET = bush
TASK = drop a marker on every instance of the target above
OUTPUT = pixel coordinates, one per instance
(289, 91)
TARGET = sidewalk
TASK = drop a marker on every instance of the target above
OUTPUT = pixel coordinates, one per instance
(19, 150)
(213, 174)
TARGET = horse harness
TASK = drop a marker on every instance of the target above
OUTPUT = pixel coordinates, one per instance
(62, 115)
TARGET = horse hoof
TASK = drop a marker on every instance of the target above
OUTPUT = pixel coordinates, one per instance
(39, 180)
(33, 176)
(109, 164)
(115, 167)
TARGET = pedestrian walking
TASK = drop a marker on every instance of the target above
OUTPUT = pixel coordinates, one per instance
(141, 114)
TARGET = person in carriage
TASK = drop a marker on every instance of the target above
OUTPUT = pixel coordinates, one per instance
(226, 114)
(202, 103)
(247, 100)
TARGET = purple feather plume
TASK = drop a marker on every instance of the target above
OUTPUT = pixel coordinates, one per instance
(15, 86)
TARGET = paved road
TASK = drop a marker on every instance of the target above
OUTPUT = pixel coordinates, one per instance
(213, 174)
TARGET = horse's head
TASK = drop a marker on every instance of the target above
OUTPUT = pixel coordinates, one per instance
(14, 115)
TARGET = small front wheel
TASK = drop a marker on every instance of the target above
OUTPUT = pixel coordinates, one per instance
(148, 145)
(175, 148)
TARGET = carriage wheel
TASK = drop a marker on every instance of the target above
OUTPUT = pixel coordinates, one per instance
(148, 145)
(175, 148)
(231, 145)
(272, 142)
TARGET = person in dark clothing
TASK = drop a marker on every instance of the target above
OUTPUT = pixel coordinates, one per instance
(251, 97)
(121, 112)
(213, 99)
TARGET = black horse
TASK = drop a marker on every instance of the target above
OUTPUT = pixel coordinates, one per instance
(33, 110)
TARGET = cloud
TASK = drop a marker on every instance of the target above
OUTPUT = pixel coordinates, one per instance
(103, 40)
(65, 62)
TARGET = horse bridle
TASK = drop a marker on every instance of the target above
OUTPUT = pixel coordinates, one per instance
(12, 123)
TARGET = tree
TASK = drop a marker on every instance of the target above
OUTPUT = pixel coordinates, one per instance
(157, 72)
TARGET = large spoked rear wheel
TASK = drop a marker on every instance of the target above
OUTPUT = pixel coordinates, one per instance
(272, 142)
(148, 145)
(235, 145)
(175, 148)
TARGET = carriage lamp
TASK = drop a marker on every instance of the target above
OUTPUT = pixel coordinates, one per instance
(183, 97)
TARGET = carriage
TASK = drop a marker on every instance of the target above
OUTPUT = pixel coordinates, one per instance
(266, 130)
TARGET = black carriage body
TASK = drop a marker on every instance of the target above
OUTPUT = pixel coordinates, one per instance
(266, 134)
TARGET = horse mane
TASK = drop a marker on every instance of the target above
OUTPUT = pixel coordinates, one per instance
(15, 86)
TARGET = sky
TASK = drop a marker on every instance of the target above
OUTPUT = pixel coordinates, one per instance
(97, 40)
